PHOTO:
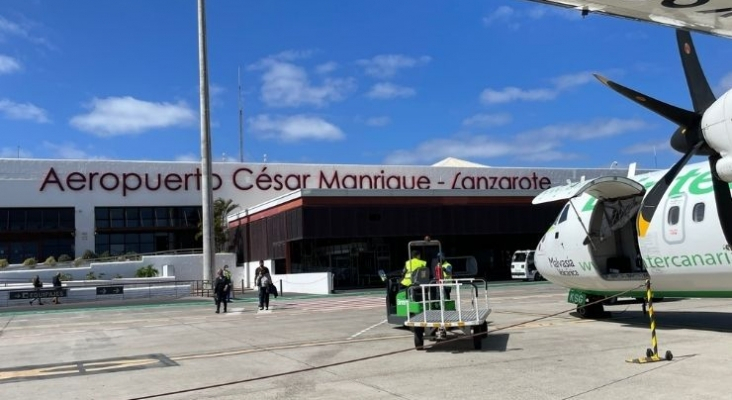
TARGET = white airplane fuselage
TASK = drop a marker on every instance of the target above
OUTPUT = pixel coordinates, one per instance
(683, 252)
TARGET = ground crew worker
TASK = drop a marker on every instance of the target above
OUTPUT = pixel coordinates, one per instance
(446, 272)
(410, 266)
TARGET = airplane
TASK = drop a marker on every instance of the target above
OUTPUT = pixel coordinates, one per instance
(709, 16)
(671, 227)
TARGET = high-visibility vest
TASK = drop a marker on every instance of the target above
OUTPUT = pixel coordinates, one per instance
(446, 270)
(409, 268)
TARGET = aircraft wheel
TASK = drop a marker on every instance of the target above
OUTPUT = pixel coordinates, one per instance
(419, 338)
(582, 311)
(649, 352)
(669, 355)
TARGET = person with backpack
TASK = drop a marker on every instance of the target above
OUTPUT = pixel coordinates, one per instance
(262, 281)
(56, 287)
(37, 285)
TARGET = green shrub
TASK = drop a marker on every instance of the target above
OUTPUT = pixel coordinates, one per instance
(105, 254)
(89, 255)
(64, 258)
(118, 276)
(66, 277)
(50, 261)
(90, 276)
(3, 263)
(78, 261)
(30, 262)
(147, 271)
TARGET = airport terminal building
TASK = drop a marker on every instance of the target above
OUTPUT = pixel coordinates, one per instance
(347, 219)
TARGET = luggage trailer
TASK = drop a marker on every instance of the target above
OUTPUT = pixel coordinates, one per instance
(467, 311)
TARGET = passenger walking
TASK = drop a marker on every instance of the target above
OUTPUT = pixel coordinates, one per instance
(221, 287)
(227, 274)
(37, 285)
(56, 286)
(262, 281)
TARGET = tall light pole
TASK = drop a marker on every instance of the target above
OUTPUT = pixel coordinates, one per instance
(207, 191)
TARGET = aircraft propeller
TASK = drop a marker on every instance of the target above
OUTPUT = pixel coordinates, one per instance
(688, 138)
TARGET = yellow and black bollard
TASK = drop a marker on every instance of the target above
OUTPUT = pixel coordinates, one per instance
(651, 354)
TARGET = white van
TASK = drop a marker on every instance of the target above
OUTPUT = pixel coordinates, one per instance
(523, 267)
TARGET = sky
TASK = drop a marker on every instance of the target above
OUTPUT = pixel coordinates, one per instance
(505, 83)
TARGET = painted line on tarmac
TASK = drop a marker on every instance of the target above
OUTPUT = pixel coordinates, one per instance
(366, 330)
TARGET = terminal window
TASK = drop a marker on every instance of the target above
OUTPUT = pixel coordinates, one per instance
(123, 230)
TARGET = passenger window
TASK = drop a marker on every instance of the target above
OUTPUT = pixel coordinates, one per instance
(698, 214)
(563, 214)
(673, 215)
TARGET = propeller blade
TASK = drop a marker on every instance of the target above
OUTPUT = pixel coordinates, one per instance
(654, 196)
(724, 201)
(675, 114)
(701, 94)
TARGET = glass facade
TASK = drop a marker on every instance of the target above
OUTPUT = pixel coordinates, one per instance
(36, 232)
(122, 230)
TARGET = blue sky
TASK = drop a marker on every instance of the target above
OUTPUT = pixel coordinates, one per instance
(498, 82)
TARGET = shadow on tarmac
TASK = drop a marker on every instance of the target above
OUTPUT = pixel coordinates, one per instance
(701, 320)
(462, 344)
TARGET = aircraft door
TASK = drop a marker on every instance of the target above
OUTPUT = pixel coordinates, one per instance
(673, 221)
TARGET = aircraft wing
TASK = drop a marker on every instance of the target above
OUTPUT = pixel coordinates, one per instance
(709, 16)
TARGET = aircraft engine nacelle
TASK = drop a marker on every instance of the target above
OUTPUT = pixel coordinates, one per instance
(717, 130)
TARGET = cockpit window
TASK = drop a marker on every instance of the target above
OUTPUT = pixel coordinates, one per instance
(519, 257)
(563, 214)
(673, 215)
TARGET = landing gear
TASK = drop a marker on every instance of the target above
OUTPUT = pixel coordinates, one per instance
(592, 310)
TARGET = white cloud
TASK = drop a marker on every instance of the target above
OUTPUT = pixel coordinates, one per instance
(13, 110)
(188, 157)
(559, 84)
(8, 65)
(502, 13)
(387, 65)
(113, 116)
(327, 67)
(386, 90)
(725, 83)
(648, 148)
(539, 145)
(14, 152)
(378, 121)
(513, 18)
(487, 120)
(287, 85)
(10, 28)
(294, 128)
(509, 94)
(567, 81)
(68, 151)
(599, 128)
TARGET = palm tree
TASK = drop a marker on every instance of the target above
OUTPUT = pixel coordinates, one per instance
(221, 209)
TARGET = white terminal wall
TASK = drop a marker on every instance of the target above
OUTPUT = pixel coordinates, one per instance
(80, 184)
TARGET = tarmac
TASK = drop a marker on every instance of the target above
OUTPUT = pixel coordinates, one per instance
(340, 346)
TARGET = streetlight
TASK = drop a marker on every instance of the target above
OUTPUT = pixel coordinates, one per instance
(207, 191)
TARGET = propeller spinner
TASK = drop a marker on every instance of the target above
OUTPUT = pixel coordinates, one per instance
(688, 138)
